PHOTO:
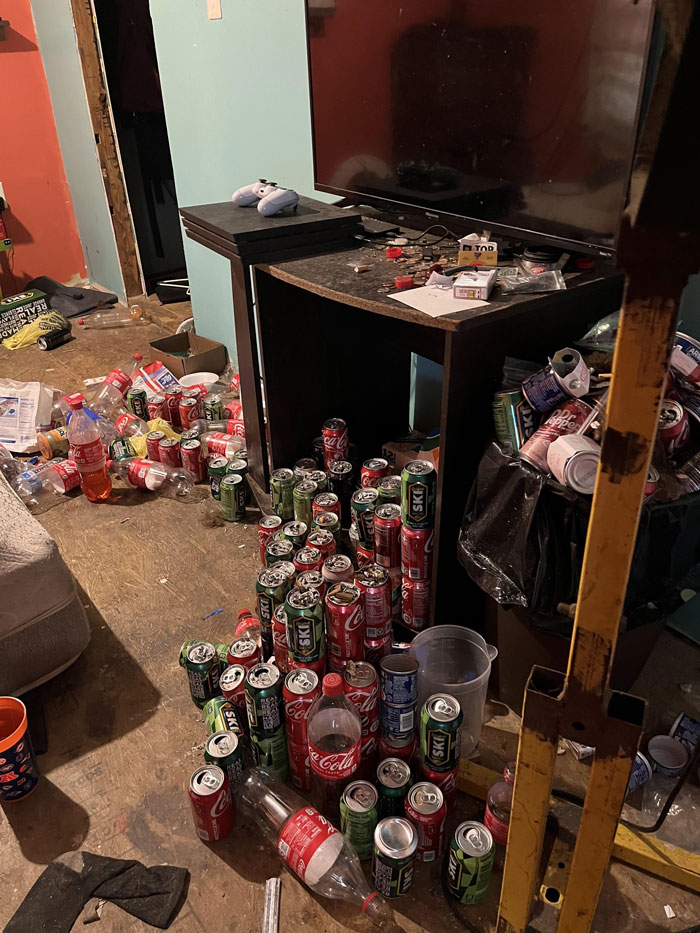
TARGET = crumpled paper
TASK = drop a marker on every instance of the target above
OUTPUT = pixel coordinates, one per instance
(138, 444)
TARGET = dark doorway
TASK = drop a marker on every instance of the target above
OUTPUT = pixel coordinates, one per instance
(131, 67)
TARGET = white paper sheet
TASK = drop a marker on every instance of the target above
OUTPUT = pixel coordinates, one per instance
(435, 301)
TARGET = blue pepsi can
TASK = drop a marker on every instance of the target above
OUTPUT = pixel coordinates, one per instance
(641, 772)
(685, 361)
(544, 390)
(398, 679)
(398, 719)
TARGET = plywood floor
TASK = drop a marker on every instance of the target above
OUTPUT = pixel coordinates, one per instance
(124, 735)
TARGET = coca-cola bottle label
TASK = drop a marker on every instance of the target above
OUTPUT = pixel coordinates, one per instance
(138, 469)
(87, 455)
(119, 380)
(122, 421)
(335, 766)
(301, 837)
(497, 828)
(69, 474)
(217, 442)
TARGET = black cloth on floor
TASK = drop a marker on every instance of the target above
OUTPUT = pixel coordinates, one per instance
(72, 301)
(67, 884)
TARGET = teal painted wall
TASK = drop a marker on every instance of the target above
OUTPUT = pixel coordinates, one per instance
(59, 51)
(237, 107)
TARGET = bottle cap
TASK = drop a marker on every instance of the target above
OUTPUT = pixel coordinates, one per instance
(81, 320)
(244, 614)
(393, 252)
(332, 685)
(137, 356)
(404, 281)
(109, 464)
(77, 400)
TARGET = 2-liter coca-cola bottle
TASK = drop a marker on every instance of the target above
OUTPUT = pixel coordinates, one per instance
(334, 745)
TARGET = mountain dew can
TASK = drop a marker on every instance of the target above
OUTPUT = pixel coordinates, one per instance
(225, 750)
(282, 491)
(358, 817)
(221, 715)
(469, 862)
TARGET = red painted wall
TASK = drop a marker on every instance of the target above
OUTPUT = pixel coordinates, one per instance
(40, 218)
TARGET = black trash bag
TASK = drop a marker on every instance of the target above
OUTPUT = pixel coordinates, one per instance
(523, 536)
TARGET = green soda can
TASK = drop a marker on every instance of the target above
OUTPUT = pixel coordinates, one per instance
(358, 817)
(213, 408)
(288, 569)
(220, 715)
(303, 495)
(270, 751)
(263, 699)
(278, 550)
(302, 467)
(394, 857)
(389, 490)
(137, 402)
(393, 783)
(240, 466)
(418, 486)
(305, 638)
(320, 478)
(363, 504)
(282, 491)
(202, 666)
(242, 454)
(469, 862)
(186, 645)
(328, 521)
(222, 655)
(232, 495)
(216, 470)
(295, 532)
(440, 728)
(271, 587)
(513, 419)
(225, 750)
(120, 449)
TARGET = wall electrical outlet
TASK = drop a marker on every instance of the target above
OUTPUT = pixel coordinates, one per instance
(214, 9)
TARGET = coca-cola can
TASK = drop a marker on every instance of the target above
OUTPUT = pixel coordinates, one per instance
(299, 691)
(232, 686)
(377, 648)
(244, 651)
(417, 553)
(335, 441)
(396, 580)
(279, 638)
(445, 780)
(322, 539)
(192, 458)
(337, 569)
(674, 427)
(387, 535)
(375, 586)
(210, 799)
(318, 667)
(171, 409)
(369, 748)
(361, 687)
(396, 745)
(426, 808)
(364, 556)
(267, 526)
(415, 604)
(307, 558)
(373, 471)
(190, 411)
(345, 625)
(299, 765)
(326, 502)
(169, 451)
(156, 407)
(153, 439)
(311, 580)
(567, 418)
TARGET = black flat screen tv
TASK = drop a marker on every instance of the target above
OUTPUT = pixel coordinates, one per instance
(520, 117)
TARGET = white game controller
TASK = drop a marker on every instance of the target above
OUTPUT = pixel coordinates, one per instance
(271, 199)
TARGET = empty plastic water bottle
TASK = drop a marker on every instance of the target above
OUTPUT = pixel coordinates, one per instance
(116, 385)
(220, 444)
(9, 467)
(115, 317)
(128, 425)
(155, 477)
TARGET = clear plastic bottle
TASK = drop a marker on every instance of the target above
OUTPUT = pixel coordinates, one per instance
(128, 425)
(113, 390)
(498, 804)
(220, 444)
(42, 486)
(9, 467)
(334, 745)
(115, 317)
(311, 847)
(166, 480)
(88, 452)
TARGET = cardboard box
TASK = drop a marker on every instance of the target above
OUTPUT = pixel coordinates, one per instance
(18, 310)
(476, 284)
(189, 353)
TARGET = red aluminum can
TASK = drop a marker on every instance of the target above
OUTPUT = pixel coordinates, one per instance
(169, 451)
(361, 687)
(190, 411)
(674, 427)
(415, 604)
(156, 407)
(396, 745)
(153, 439)
(318, 667)
(326, 502)
(364, 556)
(345, 625)
(311, 579)
(566, 418)
(417, 553)
(387, 535)
(375, 586)
(338, 568)
(210, 799)
(307, 558)
(335, 441)
(323, 540)
(445, 780)
(171, 409)
(232, 686)
(279, 638)
(244, 651)
(377, 648)
(267, 526)
(299, 765)
(425, 807)
(299, 691)
(192, 458)
(373, 471)
(368, 757)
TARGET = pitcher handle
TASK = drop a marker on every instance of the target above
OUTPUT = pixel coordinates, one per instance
(492, 652)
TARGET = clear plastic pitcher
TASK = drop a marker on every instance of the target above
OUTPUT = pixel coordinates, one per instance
(455, 660)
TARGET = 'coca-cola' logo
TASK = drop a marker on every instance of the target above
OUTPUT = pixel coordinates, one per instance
(297, 710)
(363, 702)
(334, 766)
